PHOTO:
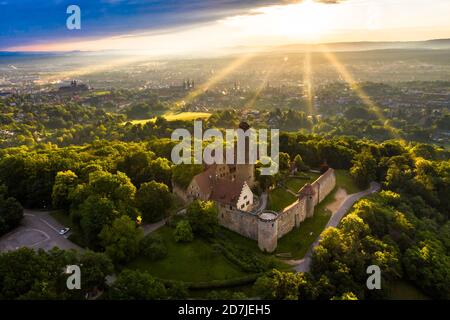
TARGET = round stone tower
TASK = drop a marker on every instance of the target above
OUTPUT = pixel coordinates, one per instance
(268, 230)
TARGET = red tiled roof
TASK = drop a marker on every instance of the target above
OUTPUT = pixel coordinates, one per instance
(205, 179)
(226, 191)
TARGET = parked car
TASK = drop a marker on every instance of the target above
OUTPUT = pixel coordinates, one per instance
(64, 231)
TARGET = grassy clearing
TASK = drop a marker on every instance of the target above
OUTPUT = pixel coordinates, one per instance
(193, 262)
(295, 184)
(187, 116)
(101, 93)
(199, 261)
(279, 199)
(184, 116)
(298, 241)
(344, 180)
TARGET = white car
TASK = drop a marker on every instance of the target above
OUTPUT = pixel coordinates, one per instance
(64, 231)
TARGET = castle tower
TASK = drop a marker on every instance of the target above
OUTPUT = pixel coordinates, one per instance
(268, 231)
(246, 172)
(307, 193)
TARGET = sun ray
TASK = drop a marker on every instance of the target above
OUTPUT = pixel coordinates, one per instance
(348, 78)
(307, 82)
(108, 65)
(251, 103)
(235, 64)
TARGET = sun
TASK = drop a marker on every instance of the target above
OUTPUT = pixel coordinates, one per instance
(308, 20)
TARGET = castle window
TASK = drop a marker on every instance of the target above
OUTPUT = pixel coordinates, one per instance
(248, 202)
(245, 197)
(242, 207)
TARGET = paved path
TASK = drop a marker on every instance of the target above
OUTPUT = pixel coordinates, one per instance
(149, 228)
(38, 230)
(304, 264)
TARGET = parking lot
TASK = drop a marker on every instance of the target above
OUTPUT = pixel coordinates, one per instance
(38, 231)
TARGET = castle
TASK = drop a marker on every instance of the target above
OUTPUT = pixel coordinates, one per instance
(229, 186)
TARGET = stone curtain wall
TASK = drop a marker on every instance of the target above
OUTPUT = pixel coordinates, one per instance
(324, 185)
(294, 214)
(250, 225)
(244, 223)
(291, 217)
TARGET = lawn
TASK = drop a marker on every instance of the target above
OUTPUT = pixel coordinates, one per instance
(193, 262)
(344, 180)
(298, 241)
(101, 93)
(279, 199)
(185, 116)
(294, 184)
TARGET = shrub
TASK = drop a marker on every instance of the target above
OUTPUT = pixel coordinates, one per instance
(202, 216)
(177, 290)
(183, 232)
(173, 220)
(228, 283)
(135, 285)
(153, 247)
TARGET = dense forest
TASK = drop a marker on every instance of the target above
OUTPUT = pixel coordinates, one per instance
(104, 187)
(63, 120)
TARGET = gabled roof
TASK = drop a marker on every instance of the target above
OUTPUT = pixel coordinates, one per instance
(205, 180)
(227, 191)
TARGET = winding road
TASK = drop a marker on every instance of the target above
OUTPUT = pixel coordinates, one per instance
(303, 265)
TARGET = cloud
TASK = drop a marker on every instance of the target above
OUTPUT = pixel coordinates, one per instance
(24, 22)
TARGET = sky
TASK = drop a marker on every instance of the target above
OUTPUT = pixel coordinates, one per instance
(168, 26)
